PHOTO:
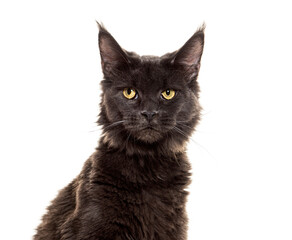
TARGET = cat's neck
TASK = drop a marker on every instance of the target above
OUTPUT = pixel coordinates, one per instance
(167, 147)
(139, 164)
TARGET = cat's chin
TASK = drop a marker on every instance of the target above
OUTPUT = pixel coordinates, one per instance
(148, 135)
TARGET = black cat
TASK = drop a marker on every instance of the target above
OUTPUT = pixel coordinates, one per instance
(133, 186)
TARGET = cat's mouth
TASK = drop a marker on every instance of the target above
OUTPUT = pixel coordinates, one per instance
(149, 128)
(149, 134)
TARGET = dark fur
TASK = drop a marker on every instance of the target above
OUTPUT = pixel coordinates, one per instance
(133, 186)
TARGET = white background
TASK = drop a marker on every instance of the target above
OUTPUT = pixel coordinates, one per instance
(49, 95)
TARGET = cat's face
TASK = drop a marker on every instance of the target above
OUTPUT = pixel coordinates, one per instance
(150, 98)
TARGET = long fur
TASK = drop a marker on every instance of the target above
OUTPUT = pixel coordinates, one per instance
(133, 187)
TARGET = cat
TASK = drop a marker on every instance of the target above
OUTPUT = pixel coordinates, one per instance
(133, 187)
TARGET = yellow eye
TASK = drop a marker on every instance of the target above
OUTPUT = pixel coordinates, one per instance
(168, 94)
(129, 93)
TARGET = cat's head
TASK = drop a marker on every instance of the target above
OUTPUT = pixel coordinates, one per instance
(149, 99)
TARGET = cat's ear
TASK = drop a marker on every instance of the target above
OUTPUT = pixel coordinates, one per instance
(113, 57)
(188, 57)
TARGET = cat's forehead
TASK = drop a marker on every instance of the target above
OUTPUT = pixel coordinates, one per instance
(150, 58)
(151, 73)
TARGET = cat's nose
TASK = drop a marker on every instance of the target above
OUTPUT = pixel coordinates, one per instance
(149, 115)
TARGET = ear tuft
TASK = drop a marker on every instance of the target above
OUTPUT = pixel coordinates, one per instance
(101, 27)
(189, 55)
(112, 55)
(202, 28)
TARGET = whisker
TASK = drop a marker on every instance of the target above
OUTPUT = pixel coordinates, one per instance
(127, 140)
(184, 121)
(180, 131)
(205, 113)
(184, 134)
(114, 124)
(183, 125)
(96, 130)
(202, 147)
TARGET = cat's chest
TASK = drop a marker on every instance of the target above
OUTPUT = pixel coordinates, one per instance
(146, 213)
(154, 212)
(148, 201)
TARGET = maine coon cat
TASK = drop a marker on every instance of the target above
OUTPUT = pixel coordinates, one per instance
(133, 186)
